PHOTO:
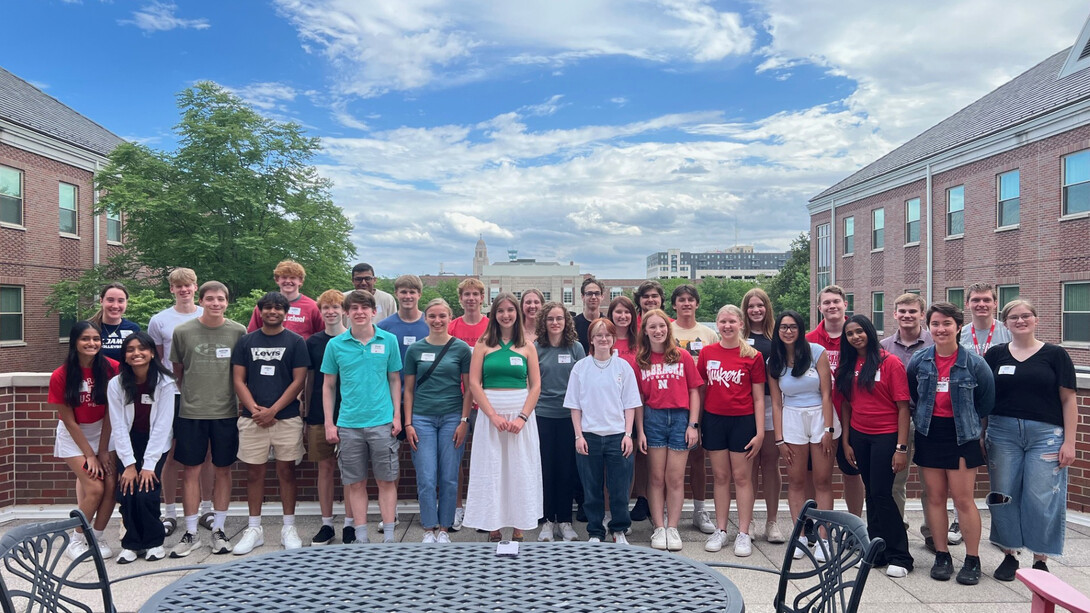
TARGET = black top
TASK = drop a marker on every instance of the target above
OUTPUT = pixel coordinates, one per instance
(269, 362)
(763, 344)
(582, 326)
(1031, 389)
(316, 411)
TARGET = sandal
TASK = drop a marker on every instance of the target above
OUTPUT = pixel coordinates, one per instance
(169, 525)
(206, 520)
(517, 536)
(495, 537)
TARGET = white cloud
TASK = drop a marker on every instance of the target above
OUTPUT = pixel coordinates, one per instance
(160, 17)
(266, 96)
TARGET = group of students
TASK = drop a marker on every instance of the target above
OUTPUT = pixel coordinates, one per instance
(587, 409)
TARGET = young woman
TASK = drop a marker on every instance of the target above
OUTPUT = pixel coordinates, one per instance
(602, 396)
(110, 319)
(622, 312)
(505, 463)
(874, 392)
(733, 423)
(77, 392)
(558, 350)
(1030, 440)
(670, 416)
(437, 418)
(530, 305)
(141, 402)
(805, 426)
(759, 330)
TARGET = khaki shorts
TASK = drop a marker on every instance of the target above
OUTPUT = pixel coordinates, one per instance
(318, 448)
(285, 437)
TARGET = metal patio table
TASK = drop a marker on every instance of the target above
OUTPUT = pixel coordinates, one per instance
(405, 577)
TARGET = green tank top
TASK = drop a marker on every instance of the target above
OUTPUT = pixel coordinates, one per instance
(504, 369)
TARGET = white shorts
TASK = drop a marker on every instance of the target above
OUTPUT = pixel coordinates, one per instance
(769, 426)
(803, 425)
(66, 447)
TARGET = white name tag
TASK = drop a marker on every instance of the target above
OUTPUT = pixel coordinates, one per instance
(877, 376)
(223, 352)
(713, 364)
(696, 346)
(294, 310)
(85, 387)
(125, 333)
(750, 341)
(563, 358)
(427, 357)
(268, 370)
(942, 386)
(408, 340)
(516, 361)
(1006, 369)
(145, 399)
(812, 373)
(379, 348)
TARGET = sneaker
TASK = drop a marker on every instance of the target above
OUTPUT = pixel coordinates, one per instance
(397, 522)
(673, 539)
(429, 537)
(1040, 565)
(716, 541)
(809, 530)
(970, 571)
(953, 536)
(324, 537)
(220, 543)
(821, 547)
(897, 572)
(742, 545)
(459, 515)
(567, 532)
(443, 537)
(773, 533)
(205, 521)
(253, 536)
(76, 547)
(801, 551)
(594, 539)
(189, 543)
(1006, 569)
(929, 544)
(289, 538)
(155, 554)
(658, 539)
(546, 534)
(348, 535)
(641, 511)
(619, 538)
(104, 550)
(126, 556)
(703, 522)
(943, 568)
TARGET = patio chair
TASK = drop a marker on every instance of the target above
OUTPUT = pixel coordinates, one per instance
(835, 585)
(40, 578)
(1049, 591)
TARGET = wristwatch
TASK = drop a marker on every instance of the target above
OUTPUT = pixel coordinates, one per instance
(901, 448)
(695, 425)
(830, 429)
(465, 420)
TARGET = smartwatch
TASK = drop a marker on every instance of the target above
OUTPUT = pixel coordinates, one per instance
(830, 429)
(695, 425)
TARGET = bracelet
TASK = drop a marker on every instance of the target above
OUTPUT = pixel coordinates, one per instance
(407, 426)
(904, 451)
(523, 417)
(578, 438)
(779, 442)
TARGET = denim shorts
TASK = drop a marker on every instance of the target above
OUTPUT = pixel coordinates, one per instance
(666, 428)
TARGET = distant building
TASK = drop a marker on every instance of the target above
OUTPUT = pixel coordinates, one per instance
(556, 281)
(739, 262)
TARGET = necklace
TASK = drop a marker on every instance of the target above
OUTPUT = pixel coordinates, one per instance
(603, 364)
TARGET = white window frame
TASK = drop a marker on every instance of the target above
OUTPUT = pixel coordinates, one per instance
(1065, 211)
(74, 210)
(1000, 222)
(1064, 313)
(849, 235)
(21, 314)
(878, 229)
(950, 211)
(20, 197)
(909, 221)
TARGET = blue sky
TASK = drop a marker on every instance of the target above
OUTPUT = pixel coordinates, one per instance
(597, 131)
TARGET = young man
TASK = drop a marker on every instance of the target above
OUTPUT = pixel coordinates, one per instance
(302, 317)
(984, 330)
(469, 328)
(200, 351)
(363, 277)
(407, 324)
(649, 295)
(331, 305)
(591, 291)
(692, 337)
(366, 362)
(270, 369)
(832, 307)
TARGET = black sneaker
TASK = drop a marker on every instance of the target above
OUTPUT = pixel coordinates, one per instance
(580, 514)
(1040, 565)
(1006, 569)
(641, 510)
(929, 543)
(809, 530)
(348, 535)
(943, 568)
(324, 536)
(970, 572)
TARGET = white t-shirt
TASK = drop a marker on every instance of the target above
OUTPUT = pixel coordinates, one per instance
(602, 394)
(162, 324)
(385, 305)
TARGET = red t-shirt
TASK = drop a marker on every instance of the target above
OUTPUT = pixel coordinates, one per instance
(944, 407)
(875, 411)
(730, 379)
(302, 318)
(87, 412)
(666, 386)
(626, 353)
(832, 350)
(470, 334)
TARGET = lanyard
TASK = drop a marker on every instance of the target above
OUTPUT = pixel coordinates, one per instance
(987, 343)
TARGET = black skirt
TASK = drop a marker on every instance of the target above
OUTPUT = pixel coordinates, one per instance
(939, 449)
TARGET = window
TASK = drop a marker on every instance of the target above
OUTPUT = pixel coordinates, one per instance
(849, 236)
(547, 295)
(912, 221)
(615, 291)
(824, 262)
(956, 296)
(11, 314)
(69, 209)
(1076, 183)
(878, 225)
(878, 315)
(11, 196)
(568, 296)
(955, 211)
(492, 293)
(65, 326)
(113, 227)
(1006, 294)
(912, 291)
(518, 295)
(1009, 199)
(849, 304)
(1076, 312)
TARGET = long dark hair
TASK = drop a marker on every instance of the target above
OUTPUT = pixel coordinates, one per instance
(777, 360)
(631, 331)
(155, 368)
(73, 372)
(845, 372)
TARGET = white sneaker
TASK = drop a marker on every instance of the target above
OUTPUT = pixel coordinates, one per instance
(820, 547)
(105, 550)
(443, 537)
(126, 556)
(253, 536)
(397, 522)
(658, 539)
(289, 538)
(155, 553)
(429, 537)
(716, 541)
(189, 543)
(567, 532)
(953, 535)
(594, 539)
(459, 516)
(800, 551)
(773, 533)
(619, 538)
(702, 521)
(546, 534)
(76, 547)
(673, 539)
(896, 572)
(742, 545)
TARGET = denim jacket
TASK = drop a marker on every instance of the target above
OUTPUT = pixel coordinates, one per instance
(972, 391)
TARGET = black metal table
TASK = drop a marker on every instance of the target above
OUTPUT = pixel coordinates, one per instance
(404, 577)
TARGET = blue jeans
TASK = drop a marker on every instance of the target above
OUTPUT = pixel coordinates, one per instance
(1028, 498)
(604, 456)
(436, 461)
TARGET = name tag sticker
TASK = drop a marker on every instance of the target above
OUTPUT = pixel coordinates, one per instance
(1006, 369)
(427, 357)
(942, 386)
(408, 340)
(145, 399)
(563, 358)
(516, 361)
(750, 341)
(877, 376)
(812, 373)
(268, 370)
(294, 310)
(696, 345)
(85, 387)
(713, 364)
(223, 352)
(379, 348)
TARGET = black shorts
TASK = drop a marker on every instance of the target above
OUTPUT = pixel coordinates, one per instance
(730, 432)
(192, 437)
(940, 449)
(177, 409)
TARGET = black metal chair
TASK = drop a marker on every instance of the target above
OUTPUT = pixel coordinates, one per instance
(835, 584)
(40, 576)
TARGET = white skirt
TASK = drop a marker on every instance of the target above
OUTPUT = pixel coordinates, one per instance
(504, 469)
(66, 447)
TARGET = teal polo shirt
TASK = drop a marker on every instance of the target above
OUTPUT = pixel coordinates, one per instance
(362, 370)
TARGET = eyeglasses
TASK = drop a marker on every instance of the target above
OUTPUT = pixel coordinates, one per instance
(592, 294)
(1022, 317)
(789, 328)
(363, 279)
(601, 336)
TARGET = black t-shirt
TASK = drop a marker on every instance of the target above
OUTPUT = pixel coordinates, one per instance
(762, 343)
(582, 326)
(269, 362)
(316, 412)
(1031, 389)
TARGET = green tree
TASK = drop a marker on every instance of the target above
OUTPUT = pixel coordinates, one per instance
(716, 293)
(77, 298)
(791, 288)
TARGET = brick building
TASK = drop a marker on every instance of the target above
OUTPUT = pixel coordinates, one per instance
(49, 154)
(998, 192)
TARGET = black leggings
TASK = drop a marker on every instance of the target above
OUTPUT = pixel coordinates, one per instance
(559, 477)
(140, 510)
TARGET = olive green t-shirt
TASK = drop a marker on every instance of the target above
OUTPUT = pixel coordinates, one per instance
(205, 354)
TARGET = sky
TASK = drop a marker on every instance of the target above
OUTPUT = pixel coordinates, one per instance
(593, 131)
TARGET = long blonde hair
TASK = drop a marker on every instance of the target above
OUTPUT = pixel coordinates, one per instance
(769, 322)
(745, 350)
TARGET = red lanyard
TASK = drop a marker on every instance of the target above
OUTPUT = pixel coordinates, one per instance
(987, 343)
